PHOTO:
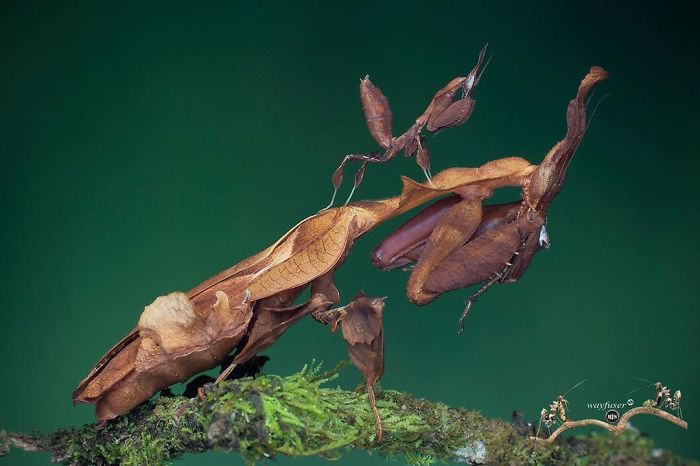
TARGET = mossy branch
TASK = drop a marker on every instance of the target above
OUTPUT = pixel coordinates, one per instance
(298, 416)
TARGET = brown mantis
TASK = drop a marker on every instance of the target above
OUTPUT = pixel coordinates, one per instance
(445, 110)
(248, 307)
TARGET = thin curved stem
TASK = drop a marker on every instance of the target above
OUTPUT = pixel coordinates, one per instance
(618, 427)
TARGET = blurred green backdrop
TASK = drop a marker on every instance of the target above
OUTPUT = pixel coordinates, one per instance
(146, 146)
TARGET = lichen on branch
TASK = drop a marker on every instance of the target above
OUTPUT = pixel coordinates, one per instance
(301, 415)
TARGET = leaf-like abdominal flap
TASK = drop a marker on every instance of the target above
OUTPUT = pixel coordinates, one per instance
(174, 342)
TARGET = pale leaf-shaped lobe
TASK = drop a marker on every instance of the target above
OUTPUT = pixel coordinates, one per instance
(174, 341)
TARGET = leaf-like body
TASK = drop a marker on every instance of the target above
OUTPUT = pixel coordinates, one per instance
(173, 342)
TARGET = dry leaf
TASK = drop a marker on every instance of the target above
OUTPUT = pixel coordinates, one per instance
(172, 339)
(363, 331)
(377, 112)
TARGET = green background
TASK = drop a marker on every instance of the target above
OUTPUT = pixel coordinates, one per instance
(147, 146)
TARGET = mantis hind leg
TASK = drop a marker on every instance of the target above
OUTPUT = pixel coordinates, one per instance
(225, 373)
(272, 317)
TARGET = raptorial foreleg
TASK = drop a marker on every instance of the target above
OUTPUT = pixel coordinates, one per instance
(498, 277)
(453, 229)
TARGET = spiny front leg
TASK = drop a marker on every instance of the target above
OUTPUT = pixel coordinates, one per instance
(498, 277)
(489, 257)
(454, 229)
(406, 244)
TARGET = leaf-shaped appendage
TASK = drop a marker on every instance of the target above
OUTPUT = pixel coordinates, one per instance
(172, 341)
(362, 328)
(377, 112)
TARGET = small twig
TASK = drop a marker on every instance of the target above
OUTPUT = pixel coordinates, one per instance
(618, 427)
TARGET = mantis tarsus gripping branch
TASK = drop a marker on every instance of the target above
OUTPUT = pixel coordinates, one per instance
(248, 307)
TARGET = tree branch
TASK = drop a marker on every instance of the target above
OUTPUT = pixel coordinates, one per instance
(298, 416)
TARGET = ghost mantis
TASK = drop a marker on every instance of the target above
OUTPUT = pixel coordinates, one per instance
(450, 106)
(249, 306)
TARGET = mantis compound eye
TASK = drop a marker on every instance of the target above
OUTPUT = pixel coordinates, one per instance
(469, 83)
(544, 238)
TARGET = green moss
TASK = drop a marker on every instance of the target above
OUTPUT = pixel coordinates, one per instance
(300, 415)
(151, 434)
(419, 460)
